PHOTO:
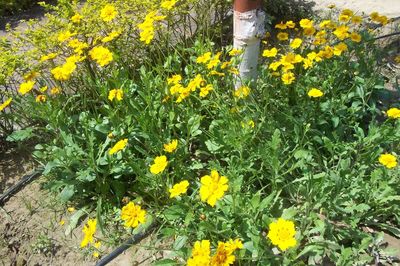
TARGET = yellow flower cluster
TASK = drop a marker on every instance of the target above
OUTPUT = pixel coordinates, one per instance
(88, 230)
(147, 27)
(316, 38)
(201, 253)
(64, 72)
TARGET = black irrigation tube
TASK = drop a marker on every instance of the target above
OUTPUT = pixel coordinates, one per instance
(20, 185)
(127, 244)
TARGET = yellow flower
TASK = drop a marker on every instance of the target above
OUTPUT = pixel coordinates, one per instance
(179, 189)
(347, 12)
(55, 91)
(233, 71)
(282, 36)
(65, 35)
(223, 256)
(374, 16)
(281, 233)
(160, 162)
(133, 215)
(175, 79)
(116, 94)
(309, 31)
(393, 113)
(235, 52)
(97, 245)
(307, 63)
(242, 92)
(213, 187)
(341, 32)
(204, 91)
(111, 36)
(147, 35)
(168, 4)
(176, 89)
(5, 104)
(214, 61)
(397, 59)
(290, 24)
(204, 58)
(315, 93)
(383, 20)
(62, 222)
(355, 37)
(306, 23)
(108, 13)
(89, 229)
(48, 57)
(120, 145)
(76, 18)
(356, 19)
(339, 48)
(200, 254)
(270, 53)
(288, 78)
(110, 135)
(63, 72)
(344, 18)
(325, 23)
(296, 43)
(171, 147)
(388, 160)
(281, 26)
(101, 55)
(31, 75)
(26, 87)
(274, 65)
(41, 98)
(216, 73)
(71, 209)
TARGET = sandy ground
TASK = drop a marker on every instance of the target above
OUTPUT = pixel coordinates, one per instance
(390, 8)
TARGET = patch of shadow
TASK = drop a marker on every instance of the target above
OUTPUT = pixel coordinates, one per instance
(34, 12)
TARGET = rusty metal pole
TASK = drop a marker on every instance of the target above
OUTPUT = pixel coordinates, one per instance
(248, 29)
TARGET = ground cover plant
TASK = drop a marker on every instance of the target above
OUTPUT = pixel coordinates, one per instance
(139, 121)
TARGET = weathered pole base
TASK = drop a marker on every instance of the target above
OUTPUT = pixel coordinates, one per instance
(248, 29)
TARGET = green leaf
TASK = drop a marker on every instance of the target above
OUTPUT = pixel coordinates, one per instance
(73, 221)
(166, 262)
(67, 193)
(21, 135)
(212, 146)
(180, 241)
